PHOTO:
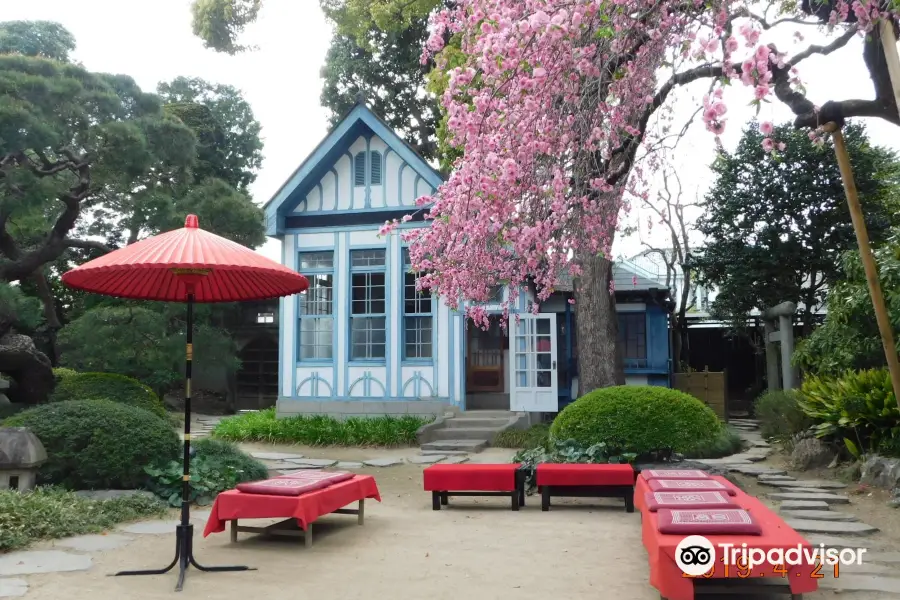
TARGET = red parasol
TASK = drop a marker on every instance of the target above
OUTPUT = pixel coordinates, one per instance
(186, 265)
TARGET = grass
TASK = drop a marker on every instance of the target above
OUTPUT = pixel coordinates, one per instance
(320, 430)
(53, 513)
(526, 439)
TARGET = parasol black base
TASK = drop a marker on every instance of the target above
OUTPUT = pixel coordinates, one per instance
(184, 558)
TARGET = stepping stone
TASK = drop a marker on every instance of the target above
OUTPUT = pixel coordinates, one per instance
(747, 457)
(456, 460)
(281, 464)
(764, 478)
(714, 462)
(443, 452)
(150, 527)
(348, 465)
(383, 462)
(882, 557)
(43, 561)
(295, 467)
(804, 505)
(866, 568)
(806, 495)
(805, 491)
(840, 543)
(820, 515)
(811, 526)
(861, 583)
(760, 444)
(316, 463)
(274, 455)
(822, 485)
(94, 543)
(13, 588)
(112, 494)
(426, 460)
(756, 470)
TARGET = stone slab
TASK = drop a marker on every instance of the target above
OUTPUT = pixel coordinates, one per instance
(861, 583)
(347, 464)
(755, 470)
(443, 452)
(760, 444)
(281, 464)
(805, 490)
(295, 467)
(806, 495)
(812, 526)
(13, 588)
(456, 460)
(817, 483)
(426, 460)
(882, 557)
(43, 561)
(833, 541)
(150, 527)
(313, 462)
(804, 505)
(722, 461)
(765, 478)
(111, 494)
(746, 457)
(94, 543)
(383, 462)
(274, 455)
(819, 515)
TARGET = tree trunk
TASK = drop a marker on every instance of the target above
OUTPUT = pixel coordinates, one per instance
(677, 342)
(600, 362)
(29, 368)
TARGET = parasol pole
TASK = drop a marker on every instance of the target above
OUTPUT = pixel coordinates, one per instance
(865, 252)
(186, 472)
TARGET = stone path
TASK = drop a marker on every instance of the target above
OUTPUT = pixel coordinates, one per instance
(808, 506)
(285, 462)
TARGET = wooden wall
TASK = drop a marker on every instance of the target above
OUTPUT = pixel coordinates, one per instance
(710, 387)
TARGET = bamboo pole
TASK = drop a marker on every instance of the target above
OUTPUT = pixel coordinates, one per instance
(868, 259)
(892, 58)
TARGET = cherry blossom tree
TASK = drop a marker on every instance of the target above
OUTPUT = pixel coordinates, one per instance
(551, 109)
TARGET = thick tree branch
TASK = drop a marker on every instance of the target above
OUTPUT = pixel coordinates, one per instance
(87, 245)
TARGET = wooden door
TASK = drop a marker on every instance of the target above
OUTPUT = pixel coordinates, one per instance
(485, 370)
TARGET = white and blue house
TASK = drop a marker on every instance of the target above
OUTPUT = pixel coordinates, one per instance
(362, 340)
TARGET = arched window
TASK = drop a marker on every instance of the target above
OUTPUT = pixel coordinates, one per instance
(359, 169)
(375, 161)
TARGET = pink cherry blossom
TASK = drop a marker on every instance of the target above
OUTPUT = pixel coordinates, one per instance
(766, 128)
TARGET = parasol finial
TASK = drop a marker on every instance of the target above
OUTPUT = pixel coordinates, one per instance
(191, 222)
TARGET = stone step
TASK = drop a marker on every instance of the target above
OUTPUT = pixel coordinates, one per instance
(443, 452)
(756, 470)
(468, 446)
(833, 541)
(766, 478)
(829, 498)
(804, 505)
(479, 422)
(473, 433)
(819, 515)
(487, 414)
(813, 526)
(819, 484)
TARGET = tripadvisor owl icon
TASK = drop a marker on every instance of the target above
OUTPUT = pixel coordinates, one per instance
(694, 555)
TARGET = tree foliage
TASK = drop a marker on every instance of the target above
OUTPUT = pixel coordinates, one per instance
(776, 229)
(36, 38)
(219, 22)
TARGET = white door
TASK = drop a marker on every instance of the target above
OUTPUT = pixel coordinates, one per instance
(533, 349)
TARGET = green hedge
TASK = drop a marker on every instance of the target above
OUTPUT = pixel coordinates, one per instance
(108, 386)
(639, 419)
(94, 444)
(319, 430)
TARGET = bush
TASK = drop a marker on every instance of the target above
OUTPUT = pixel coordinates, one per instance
(639, 419)
(108, 386)
(536, 436)
(780, 416)
(94, 444)
(728, 442)
(858, 408)
(60, 373)
(320, 430)
(567, 451)
(218, 466)
(51, 513)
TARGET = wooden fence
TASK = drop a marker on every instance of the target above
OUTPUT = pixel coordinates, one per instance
(710, 387)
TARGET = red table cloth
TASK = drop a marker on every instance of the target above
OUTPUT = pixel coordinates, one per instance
(690, 485)
(470, 478)
(232, 505)
(642, 488)
(687, 500)
(584, 474)
(672, 584)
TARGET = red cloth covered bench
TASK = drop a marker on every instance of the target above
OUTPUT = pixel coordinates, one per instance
(655, 501)
(585, 481)
(690, 485)
(444, 481)
(674, 474)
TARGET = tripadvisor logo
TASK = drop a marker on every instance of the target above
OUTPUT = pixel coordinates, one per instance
(694, 555)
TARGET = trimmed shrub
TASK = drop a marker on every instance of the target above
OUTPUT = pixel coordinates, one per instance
(222, 455)
(93, 444)
(728, 442)
(108, 386)
(60, 373)
(780, 416)
(536, 436)
(640, 419)
(320, 430)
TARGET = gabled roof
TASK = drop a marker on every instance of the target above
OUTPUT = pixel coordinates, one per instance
(359, 121)
(626, 277)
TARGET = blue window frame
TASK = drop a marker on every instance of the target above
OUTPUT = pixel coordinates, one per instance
(418, 319)
(633, 335)
(375, 168)
(359, 169)
(316, 307)
(368, 338)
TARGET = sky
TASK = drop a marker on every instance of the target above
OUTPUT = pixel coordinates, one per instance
(153, 42)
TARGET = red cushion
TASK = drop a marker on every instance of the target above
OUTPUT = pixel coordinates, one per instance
(280, 487)
(689, 485)
(674, 474)
(706, 522)
(687, 500)
(470, 478)
(584, 474)
(326, 477)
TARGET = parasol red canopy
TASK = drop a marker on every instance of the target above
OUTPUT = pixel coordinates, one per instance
(165, 266)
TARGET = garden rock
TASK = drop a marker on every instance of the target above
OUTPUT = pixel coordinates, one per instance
(43, 561)
(150, 527)
(316, 463)
(383, 462)
(810, 453)
(112, 494)
(840, 528)
(94, 543)
(275, 456)
(13, 588)
(881, 472)
(828, 498)
(820, 515)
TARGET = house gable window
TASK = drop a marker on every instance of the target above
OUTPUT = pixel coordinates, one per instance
(359, 169)
(316, 307)
(418, 321)
(375, 168)
(367, 305)
(374, 171)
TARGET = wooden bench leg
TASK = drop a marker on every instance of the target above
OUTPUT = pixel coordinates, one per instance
(436, 501)
(629, 502)
(361, 517)
(234, 531)
(545, 498)
(307, 535)
(514, 496)
(445, 499)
